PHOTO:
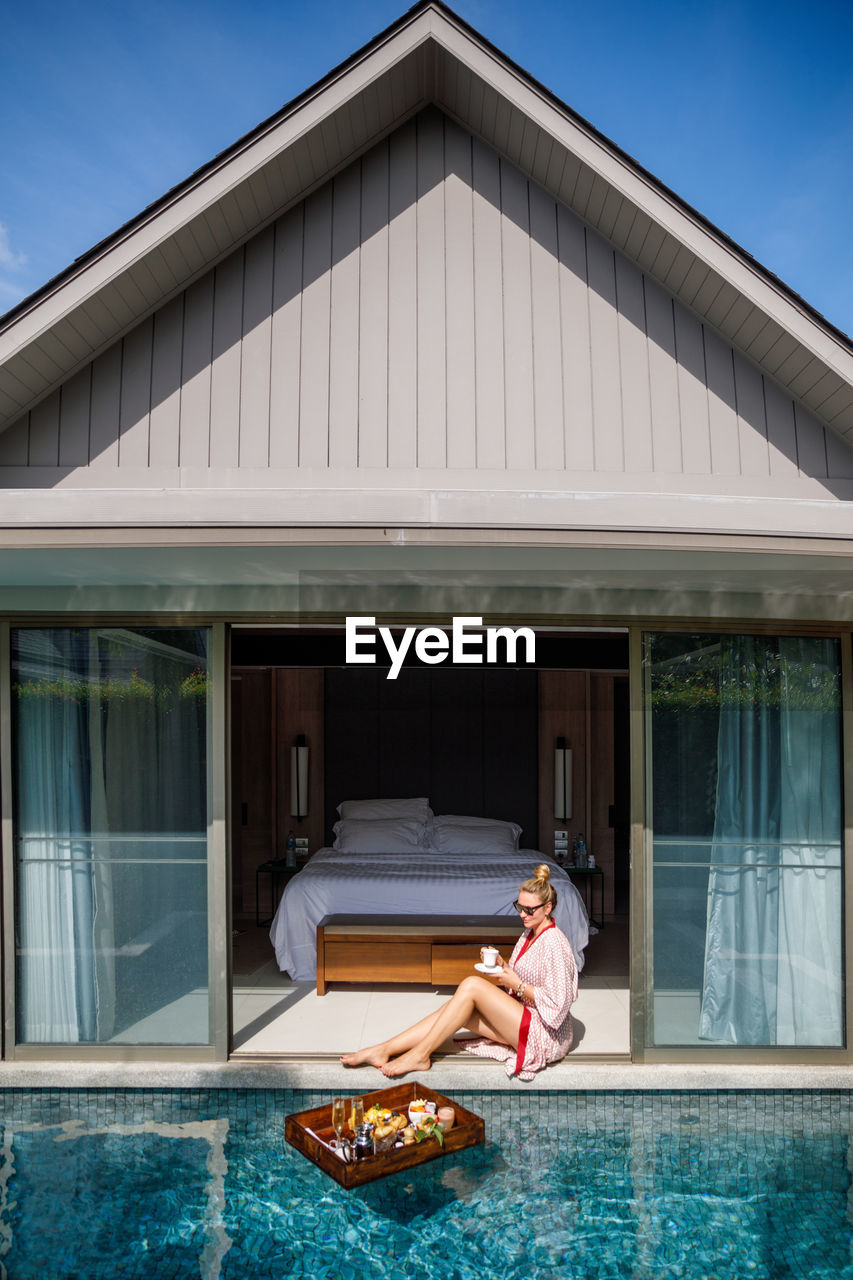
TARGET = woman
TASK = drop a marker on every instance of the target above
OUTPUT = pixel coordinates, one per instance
(525, 1021)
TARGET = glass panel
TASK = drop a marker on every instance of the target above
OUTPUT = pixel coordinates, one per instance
(745, 806)
(110, 772)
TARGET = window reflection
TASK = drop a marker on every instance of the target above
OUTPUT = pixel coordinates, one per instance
(746, 813)
(110, 769)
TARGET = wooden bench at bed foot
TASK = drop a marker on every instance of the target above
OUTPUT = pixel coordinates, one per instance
(435, 949)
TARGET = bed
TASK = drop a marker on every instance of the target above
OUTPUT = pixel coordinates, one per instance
(448, 865)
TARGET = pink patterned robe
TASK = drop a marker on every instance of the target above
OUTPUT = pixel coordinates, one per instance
(547, 963)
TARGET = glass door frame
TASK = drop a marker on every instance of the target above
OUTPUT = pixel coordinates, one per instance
(642, 866)
(218, 855)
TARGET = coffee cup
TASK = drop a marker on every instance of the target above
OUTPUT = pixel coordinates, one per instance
(490, 957)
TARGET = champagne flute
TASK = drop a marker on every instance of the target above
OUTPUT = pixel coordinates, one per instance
(338, 1118)
(356, 1114)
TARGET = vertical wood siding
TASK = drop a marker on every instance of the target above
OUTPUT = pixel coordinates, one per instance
(344, 320)
(371, 335)
(429, 309)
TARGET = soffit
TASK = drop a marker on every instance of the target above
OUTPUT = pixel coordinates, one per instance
(360, 567)
(549, 586)
(429, 56)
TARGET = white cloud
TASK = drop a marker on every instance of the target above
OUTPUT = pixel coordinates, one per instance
(9, 260)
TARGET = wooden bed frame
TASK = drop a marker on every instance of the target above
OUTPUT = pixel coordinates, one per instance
(439, 950)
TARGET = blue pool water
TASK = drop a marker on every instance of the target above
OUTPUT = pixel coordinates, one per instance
(174, 1184)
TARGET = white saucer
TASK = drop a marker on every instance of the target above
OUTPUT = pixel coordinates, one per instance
(482, 968)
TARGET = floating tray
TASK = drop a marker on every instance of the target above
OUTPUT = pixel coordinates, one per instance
(311, 1133)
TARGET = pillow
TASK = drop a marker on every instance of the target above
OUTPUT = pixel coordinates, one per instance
(417, 808)
(381, 835)
(473, 820)
(453, 833)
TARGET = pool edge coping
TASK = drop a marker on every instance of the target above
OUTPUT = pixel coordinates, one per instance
(450, 1076)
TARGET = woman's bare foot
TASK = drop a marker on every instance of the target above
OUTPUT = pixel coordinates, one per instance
(407, 1062)
(375, 1056)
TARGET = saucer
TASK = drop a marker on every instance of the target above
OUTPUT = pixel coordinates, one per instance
(482, 968)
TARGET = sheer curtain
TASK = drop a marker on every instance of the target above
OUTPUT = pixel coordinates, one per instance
(772, 969)
(56, 908)
(111, 826)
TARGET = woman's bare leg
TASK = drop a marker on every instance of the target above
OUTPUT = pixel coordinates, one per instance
(476, 1001)
(479, 1026)
(378, 1054)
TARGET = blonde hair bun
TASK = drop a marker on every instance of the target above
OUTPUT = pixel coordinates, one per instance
(540, 884)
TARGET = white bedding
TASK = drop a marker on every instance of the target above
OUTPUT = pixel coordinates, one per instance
(400, 884)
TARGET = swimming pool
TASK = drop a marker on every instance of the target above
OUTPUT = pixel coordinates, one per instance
(97, 1185)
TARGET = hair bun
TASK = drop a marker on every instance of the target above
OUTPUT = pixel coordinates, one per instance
(542, 872)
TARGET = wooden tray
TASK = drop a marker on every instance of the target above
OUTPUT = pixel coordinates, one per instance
(311, 1132)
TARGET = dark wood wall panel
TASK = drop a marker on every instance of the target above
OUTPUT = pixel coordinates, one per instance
(351, 740)
(510, 727)
(298, 710)
(252, 812)
(466, 739)
(456, 715)
(402, 720)
(602, 792)
(563, 699)
(269, 708)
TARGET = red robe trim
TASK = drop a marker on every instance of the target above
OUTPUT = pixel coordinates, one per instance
(524, 1029)
(523, 1033)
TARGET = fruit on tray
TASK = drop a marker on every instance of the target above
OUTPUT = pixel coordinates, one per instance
(377, 1115)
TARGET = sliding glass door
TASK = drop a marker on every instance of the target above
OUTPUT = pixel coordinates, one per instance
(110, 805)
(744, 801)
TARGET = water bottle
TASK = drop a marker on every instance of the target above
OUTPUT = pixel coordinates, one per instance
(290, 849)
(580, 851)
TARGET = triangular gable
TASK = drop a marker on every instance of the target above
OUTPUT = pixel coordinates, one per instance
(433, 315)
(429, 55)
(743, 377)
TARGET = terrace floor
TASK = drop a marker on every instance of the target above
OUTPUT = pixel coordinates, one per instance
(274, 1017)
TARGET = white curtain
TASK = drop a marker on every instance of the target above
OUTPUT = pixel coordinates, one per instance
(55, 993)
(772, 971)
(110, 809)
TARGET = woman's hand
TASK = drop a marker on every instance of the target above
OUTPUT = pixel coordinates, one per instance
(507, 977)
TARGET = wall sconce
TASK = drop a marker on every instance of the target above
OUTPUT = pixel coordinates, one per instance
(562, 780)
(299, 777)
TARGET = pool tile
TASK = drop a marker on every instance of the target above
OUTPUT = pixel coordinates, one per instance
(695, 1183)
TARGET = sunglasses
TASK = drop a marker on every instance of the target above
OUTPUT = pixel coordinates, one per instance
(527, 911)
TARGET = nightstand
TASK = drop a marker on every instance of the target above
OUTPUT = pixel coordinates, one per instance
(279, 873)
(590, 877)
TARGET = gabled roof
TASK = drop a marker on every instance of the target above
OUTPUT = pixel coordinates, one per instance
(428, 56)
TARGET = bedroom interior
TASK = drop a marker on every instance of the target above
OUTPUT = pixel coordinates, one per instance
(476, 742)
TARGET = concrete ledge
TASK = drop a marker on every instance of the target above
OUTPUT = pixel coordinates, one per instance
(447, 1074)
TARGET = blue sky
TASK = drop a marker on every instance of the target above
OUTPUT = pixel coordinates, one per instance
(743, 107)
